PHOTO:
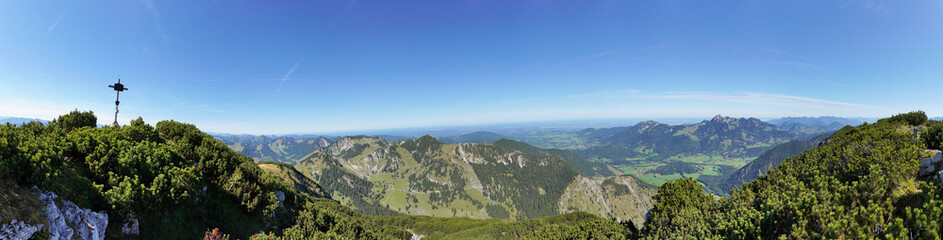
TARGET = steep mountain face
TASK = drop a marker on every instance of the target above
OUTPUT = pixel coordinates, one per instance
(586, 167)
(273, 149)
(723, 136)
(620, 197)
(769, 160)
(302, 183)
(427, 177)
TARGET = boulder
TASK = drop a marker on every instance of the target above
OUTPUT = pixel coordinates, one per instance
(18, 230)
(131, 227)
(88, 225)
(926, 168)
(929, 166)
(281, 197)
(57, 227)
(937, 157)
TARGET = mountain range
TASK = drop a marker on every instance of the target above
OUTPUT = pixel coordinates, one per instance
(654, 151)
(174, 181)
(19, 120)
(650, 140)
(273, 149)
(505, 179)
(722, 185)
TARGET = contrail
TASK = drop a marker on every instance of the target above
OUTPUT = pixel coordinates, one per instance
(284, 79)
(288, 74)
(338, 19)
(55, 23)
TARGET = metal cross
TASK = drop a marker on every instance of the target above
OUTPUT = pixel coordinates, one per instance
(118, 88)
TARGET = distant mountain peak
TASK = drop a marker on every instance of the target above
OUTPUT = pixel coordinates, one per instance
(646, 125)
(427, 137)
(718, 118)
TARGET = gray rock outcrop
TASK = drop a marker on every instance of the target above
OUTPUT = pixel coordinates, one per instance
(18, 230)
(56, 222)
(88, 225)
(281, 197)
(933, 166)
(71, 219)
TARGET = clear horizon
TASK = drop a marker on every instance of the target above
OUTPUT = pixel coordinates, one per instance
(320, 67)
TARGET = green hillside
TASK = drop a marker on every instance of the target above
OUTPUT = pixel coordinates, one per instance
(177, 181)
(506, 179)
(657, 153)
(759, 166)
(300, 182)
(650, 140)
(860, 184)
(158, 175)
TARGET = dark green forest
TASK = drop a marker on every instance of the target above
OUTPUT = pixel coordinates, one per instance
(859, 183)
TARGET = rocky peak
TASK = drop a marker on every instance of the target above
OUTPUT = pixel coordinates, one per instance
(346, 143)
(322, 142)
(722, 119)
(645, 125)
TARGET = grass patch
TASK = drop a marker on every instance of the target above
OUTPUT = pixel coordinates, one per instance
(20, 203)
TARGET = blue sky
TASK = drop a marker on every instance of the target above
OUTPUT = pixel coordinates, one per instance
(274, 67)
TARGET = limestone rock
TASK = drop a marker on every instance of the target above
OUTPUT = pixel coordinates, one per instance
(18, 230)
(937, 157)
(930, 166)
(57, 226)
(88, 225)
(281, 197)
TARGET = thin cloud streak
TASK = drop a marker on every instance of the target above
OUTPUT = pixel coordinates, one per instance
(755, 98)
(609, 94)
(338, 18)
(592, 56)
(156, 16)
(55, 23)
(746, 97)
(288, 74)
(781, 52)
(797, 64)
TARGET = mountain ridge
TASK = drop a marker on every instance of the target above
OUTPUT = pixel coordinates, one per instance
(427, 177)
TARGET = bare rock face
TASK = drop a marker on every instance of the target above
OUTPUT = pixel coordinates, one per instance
(70, 219)
(57, 226)
(281, 200)
(88, 225)
(18, 230)
(930, 167)
(281, 197)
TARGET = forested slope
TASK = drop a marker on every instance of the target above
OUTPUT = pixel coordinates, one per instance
(177, 181)
(759, 166)
(862, 183)
(505, 179)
